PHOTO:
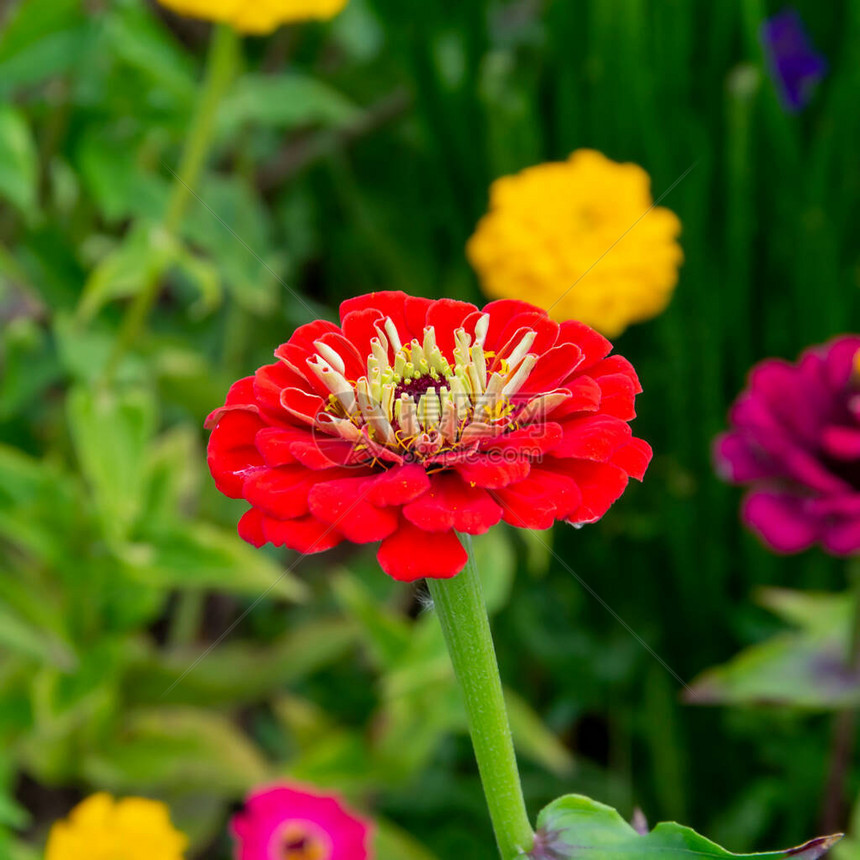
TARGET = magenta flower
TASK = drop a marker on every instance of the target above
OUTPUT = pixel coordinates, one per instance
(289, 822)
(795, 441)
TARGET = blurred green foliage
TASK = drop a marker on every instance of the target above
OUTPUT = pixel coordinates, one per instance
(348, 157)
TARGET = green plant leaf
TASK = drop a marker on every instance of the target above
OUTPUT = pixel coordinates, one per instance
(238, 672)
(805, 667)
(19, 161)
(41, 38)
(118, 183)
(496, 559)
(183, 749)
(201, 556)
(143, 254)
(230, 224)
(283, 101)
(387, 635)
(140, 41)
(534, 740)
(20, 636)
(577, 827)
(111, 431)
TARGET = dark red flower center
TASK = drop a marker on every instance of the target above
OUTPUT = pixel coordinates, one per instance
(415, 388)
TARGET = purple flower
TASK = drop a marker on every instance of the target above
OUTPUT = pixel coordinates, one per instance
(795, 442)
(795, 66)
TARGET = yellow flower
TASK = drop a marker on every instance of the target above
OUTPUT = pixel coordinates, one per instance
(256, 16)
(101, 828)
(550, 224)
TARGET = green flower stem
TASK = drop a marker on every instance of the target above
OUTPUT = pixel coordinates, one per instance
(221, 65)
(459, 602)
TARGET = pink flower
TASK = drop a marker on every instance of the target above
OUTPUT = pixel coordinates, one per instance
(289, 822)
(795, 443)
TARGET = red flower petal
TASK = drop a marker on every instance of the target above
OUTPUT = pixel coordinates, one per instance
(539, 500)
(615, 364)
(594, 437)
(618, 395)
(501, 312)
(355, 365)
(231, 453)
(251, 528)
(415, 311)
(304, 534)
(554, 367)
(493, 475)
(601, 484)
(585, 396)
(281, 493)
(594, 346)
(359, 328)
(634, 458)
(388, 303)
(302, 405)
(449, 503)
(398, 485)
(240, 396)
(321, 452)
(274, 443)
(270, 382)
(532, 441)
(345, 504)
(411, 553)
(545, 329)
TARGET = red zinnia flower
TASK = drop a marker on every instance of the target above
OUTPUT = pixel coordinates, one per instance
(415, 419)
(795, 441)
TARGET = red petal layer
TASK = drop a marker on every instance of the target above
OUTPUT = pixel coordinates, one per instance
(412, 553)
(304, 534)
(451, 504)
(345, 504)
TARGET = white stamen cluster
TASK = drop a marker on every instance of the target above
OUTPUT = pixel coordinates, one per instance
(412, 399)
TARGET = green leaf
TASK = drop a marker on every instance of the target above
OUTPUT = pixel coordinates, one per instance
(39, 504)
(806, 667)
(42, 38)
(203, 277)
(849, 849)
(111, 431)
(142, 255)
(111, 169)
(147, 253)
(238, 672)
(230, 224)
(283, 102)
(139, 40)
(20, 636)
(387, 635)
(496, 559)
(576, 827)
(29, 366)
(19, 161)
(181, 749)
(201, 556)
(534, 740)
